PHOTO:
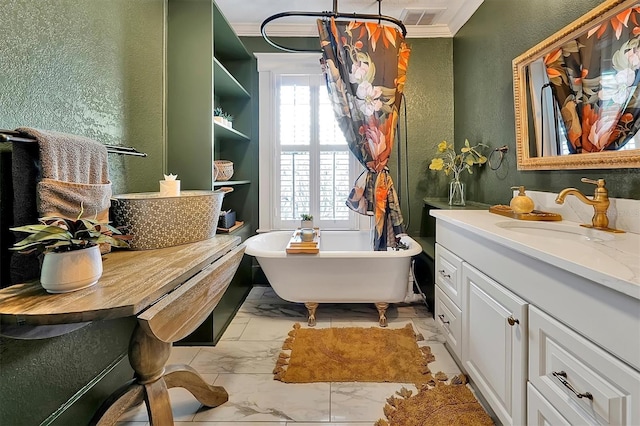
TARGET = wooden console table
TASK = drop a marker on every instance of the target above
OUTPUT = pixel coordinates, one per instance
(171, 291)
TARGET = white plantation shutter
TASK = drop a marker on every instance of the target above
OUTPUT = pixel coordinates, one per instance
(315, 169)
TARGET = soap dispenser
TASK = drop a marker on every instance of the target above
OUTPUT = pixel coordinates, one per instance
(521, 204)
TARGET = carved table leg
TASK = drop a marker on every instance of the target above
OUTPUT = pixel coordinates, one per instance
(382, 310)
(311, 307)
(148, 356)
(185, 376)
(129, 395)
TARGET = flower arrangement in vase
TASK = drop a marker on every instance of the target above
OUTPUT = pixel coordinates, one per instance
(71, 250)
(453, 163)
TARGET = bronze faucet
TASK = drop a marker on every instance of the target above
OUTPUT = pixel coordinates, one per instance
(600, 203)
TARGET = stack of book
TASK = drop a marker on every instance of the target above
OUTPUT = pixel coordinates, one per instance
(297, 246)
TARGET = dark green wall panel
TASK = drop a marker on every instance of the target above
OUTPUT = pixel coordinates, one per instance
(38, 376)
(429, 102)
(93, 68)
(483, 50)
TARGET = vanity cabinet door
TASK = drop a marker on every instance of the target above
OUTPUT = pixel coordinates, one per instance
(494, 346)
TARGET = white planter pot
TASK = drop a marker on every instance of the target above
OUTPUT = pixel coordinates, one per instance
(306, 224)
(72, 270)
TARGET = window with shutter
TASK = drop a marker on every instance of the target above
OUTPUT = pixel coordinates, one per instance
(311, 170)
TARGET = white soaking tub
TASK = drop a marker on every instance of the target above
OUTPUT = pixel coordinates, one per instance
(346, 270)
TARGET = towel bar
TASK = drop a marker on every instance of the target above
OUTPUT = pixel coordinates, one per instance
(13, 136)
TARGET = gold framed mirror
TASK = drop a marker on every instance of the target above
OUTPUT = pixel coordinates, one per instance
(577, 93)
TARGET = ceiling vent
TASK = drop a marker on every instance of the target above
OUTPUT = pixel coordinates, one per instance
(420, 16)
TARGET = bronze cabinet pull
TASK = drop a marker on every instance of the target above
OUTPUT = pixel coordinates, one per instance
(512, 321)
(562, 376)
(443, 274)
(442, 319)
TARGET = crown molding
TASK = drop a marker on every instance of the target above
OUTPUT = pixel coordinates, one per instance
(310, 30)
(463, 15)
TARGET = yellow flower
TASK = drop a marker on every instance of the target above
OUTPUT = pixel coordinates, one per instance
(451, 162)
(436, 164)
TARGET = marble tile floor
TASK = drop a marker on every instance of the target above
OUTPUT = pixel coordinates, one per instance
(243, 360)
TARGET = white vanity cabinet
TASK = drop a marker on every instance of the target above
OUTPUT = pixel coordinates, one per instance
(494, 351)
(540, 412)
(531, 306)
(485, 326)
(448, 298)
(587, 384)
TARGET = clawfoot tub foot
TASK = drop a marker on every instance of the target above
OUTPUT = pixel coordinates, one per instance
(382, 310)
(311, 307)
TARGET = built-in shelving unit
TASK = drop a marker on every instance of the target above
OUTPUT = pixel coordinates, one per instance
(209, 67)
(223, 131)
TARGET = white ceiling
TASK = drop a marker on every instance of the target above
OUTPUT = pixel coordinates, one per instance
(246, 16)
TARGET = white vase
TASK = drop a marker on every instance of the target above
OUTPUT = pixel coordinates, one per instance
(71, 270)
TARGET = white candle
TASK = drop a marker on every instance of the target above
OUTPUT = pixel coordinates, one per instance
(169, 188)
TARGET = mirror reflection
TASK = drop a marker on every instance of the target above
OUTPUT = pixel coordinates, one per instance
(577, 97)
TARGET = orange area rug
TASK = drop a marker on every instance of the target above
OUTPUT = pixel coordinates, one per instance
(353, 354)
(442, 405)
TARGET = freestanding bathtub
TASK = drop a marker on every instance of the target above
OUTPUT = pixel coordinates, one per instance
(345, 270)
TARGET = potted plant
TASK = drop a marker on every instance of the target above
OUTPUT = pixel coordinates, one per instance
(71, 250)
(218, 115)
(306, 222)
(228, 119)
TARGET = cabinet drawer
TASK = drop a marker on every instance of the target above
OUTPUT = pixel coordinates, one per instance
(585, 383)
(540, 412)
(448, 318)
(448, 267)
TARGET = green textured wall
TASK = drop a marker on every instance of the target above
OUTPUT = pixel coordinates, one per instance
(483, 50)
(38, 376)
(430, 107)
(93, 68)
(429, 118)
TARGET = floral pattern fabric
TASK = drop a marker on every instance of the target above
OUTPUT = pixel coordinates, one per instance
(595, 82)
(365, 66)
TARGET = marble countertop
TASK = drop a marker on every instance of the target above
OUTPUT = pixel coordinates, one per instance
(612, 260)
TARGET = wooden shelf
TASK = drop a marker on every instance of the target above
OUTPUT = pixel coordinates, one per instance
(225, 84)
(226, 44)
(239, 224)
(230, 182)
(222, 131)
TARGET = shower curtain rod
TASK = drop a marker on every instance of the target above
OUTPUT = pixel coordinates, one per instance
(13, 136)
(326, 14)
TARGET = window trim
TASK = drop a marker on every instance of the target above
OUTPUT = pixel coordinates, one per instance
(270, 65)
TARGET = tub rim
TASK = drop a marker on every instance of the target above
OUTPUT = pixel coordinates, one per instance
(414, 249)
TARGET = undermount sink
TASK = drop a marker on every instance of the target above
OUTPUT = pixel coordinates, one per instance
(563, 231)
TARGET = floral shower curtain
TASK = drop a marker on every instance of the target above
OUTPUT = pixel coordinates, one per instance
(365, 66)
(595, 82)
